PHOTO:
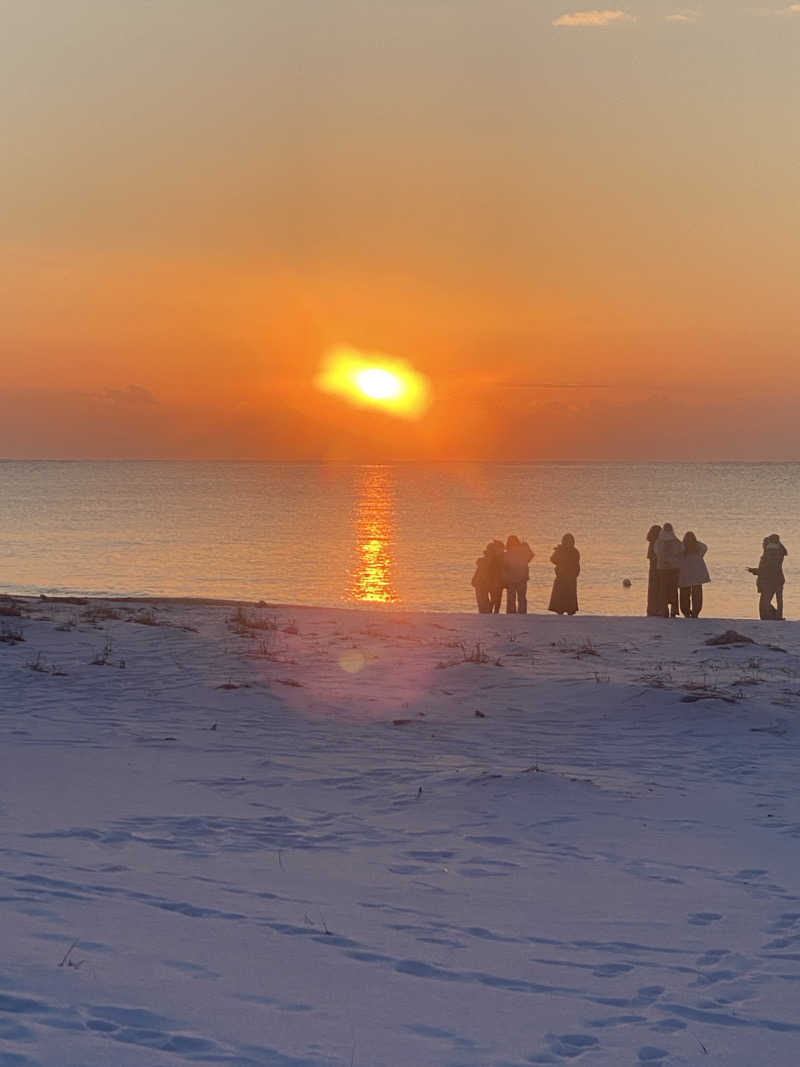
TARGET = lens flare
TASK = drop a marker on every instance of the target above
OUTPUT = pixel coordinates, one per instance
(374, 380)
(352, 661)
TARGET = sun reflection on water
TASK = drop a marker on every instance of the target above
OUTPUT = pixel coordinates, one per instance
(371, 578)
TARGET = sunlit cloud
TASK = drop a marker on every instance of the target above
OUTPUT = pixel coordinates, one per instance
(132, 396)
(374, 380)
(776, 12)
(685, 15)
(593, 18)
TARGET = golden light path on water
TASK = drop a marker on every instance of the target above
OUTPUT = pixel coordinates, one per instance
(372, 580)
(374, 380)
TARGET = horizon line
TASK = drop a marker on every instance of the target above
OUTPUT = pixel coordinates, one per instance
(324, 461)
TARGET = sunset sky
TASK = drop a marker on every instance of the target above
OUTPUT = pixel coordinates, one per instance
(583, 226)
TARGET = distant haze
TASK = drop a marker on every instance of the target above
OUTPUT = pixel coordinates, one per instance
(582, 225)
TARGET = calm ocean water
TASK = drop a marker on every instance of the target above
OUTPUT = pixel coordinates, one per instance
(403, 534)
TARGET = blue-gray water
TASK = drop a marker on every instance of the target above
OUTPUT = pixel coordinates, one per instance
(405, 533)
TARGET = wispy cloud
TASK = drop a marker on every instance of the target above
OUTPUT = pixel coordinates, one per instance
(593, 18)
(684, 15)
(132, 396)
(776, 12)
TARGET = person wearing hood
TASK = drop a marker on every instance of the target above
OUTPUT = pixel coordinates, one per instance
(769, 578)
(488, 578)
(516, 573)
(693, 576)
(652, 577)
(669, 551)
(567, 561)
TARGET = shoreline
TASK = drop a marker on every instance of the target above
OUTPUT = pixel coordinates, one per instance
(376, 609)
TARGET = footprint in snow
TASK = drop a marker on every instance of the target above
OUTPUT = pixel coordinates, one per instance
(567, 1046)
(645, 997)
(668, 1026)
(612, 1021)
(11, 1030)
(611, 970)
(712, 957)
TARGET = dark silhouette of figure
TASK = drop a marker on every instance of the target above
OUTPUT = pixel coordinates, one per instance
(567, 561)
(769, 578)
(668, 550)
(653, 603)
(488, 578)
(693, 575)
(481, 583)
(496, 552)
(516, 573)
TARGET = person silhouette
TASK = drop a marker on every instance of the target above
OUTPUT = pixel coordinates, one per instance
(516, 573)
(496, 555)
(482, 581)
(693, 575)
(567, 561)
(653, 604)
(668, 550)
(770, 579)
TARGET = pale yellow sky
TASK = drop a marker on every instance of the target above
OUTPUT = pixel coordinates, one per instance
(198, 198)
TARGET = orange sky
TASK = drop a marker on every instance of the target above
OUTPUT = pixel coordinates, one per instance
(582, 226)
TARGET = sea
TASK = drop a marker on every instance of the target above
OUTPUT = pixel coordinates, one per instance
(390, 536)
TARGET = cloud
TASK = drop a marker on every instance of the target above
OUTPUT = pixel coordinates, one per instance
(772, 12)
(685, 15)
(132, 396)
(593, 18)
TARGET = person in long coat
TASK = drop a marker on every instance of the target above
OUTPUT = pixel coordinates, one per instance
(769, 578)
(567, 561)
(653, 605)
(693, 576)
(669, 551)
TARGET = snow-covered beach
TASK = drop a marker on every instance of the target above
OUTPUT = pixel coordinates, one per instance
(298, 836)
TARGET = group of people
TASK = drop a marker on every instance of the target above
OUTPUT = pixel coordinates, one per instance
(678, 572)
(506, 567)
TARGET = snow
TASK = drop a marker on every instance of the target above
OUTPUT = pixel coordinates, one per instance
(340, 841)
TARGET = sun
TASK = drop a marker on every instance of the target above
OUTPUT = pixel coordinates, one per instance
(379, 384)
(374, 380)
